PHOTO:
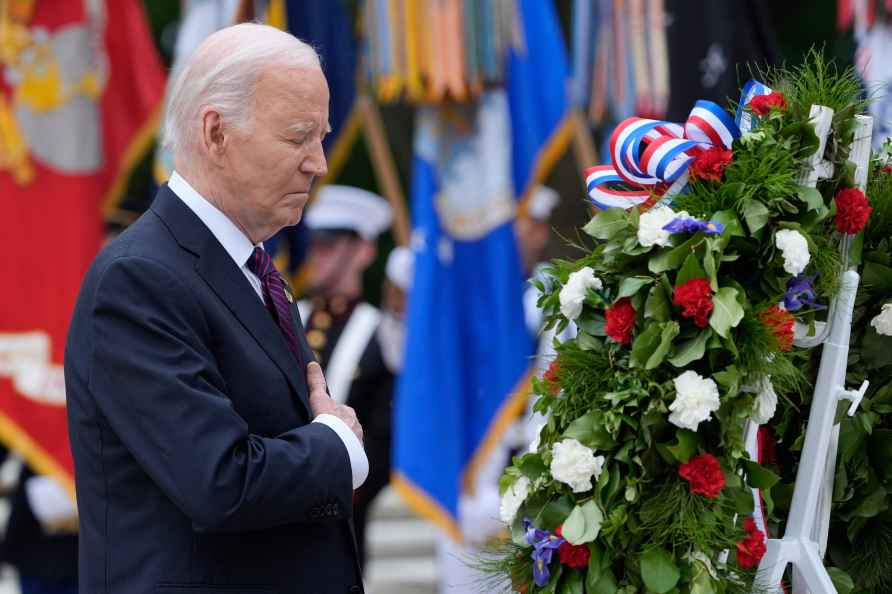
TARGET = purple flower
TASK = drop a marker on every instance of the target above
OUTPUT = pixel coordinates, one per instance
(801, 292)
(544, 545)
(691, 225)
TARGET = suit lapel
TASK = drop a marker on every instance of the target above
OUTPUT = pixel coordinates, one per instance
(219, 271)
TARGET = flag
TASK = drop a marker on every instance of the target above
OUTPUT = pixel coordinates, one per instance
(467, 345)
(80, 85)
(468, 352)
(537, 79)
(325, 25)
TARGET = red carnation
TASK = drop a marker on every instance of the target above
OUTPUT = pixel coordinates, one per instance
(852, 210)
(572, 555)
(710, 164)
(887, 168)
(780, 323)
(551, 376)
(705, 475)
(751, 549)
(621, 321)
(763, 104)
(695, 297)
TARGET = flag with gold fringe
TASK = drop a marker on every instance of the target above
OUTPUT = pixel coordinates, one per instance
(80, 87)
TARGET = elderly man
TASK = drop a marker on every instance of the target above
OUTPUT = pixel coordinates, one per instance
(209, 458)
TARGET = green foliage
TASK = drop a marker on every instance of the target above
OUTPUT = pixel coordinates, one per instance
(674, 519)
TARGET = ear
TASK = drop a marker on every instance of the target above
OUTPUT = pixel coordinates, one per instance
(213, 136)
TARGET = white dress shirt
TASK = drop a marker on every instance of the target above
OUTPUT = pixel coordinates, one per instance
(240, 248)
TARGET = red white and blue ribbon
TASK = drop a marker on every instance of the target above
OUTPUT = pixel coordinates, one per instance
(751, 89)
(648, 156)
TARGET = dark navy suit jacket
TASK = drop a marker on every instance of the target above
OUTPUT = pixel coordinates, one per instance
(198, 470)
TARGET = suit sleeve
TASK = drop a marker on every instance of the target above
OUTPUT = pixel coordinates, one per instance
(156, 381)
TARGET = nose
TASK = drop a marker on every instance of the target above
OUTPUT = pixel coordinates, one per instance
(315, 164)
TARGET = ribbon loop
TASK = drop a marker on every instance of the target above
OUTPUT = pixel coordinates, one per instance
(649, 156)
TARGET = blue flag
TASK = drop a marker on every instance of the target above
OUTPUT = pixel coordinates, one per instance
(468, 351)
(467, 346)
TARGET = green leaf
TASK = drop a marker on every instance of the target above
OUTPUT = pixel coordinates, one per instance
(594, 517)
(554, 513)
(658, 570)
(873, 504)
(689, 270)
(574, 526)
(759, 477)
(726, 312)
(607, 223)
(728, 378)
(572, 583)
(532, 466)
(583, 524)
(812, 197)
(875, 349)
(711, 269)
(690, 350)
(685, 445)
(669, 331)
(657, 306)
(743, 500)
(606, 584)
(842, 581)
(733, 228)
(587, 342)
(631, 285)
(729, 219)
(595, 560)
(672, 259)
(646, 343)
(701, 581)
(878, 277)
(589, 430)
(755, 214)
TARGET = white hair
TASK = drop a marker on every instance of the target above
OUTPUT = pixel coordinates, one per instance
(223, 73)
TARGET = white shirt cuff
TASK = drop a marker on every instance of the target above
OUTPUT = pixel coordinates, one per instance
(359, 462)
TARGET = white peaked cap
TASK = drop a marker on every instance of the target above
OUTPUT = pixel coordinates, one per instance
(400, 267)
(542, 202)
(346, 207)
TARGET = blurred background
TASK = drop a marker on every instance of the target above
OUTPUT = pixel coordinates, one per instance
(471, 121)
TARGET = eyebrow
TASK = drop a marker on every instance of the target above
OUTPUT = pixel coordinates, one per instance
(303, 127)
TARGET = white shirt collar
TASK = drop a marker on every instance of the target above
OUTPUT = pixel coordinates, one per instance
(236, 243)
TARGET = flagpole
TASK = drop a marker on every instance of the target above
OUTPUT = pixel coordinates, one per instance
(384, 167)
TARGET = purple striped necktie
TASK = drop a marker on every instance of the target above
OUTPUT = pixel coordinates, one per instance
(276, 302)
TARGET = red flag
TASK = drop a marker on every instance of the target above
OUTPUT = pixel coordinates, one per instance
(81, 84)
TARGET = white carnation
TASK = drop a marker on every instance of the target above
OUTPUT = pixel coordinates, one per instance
(574, 464)
(882, 323)
(696, 398)
(573, 293)
(651, 223)
(512, 499)
(766, 400)
(794, 248)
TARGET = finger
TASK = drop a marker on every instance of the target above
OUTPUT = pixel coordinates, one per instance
(316, 380)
